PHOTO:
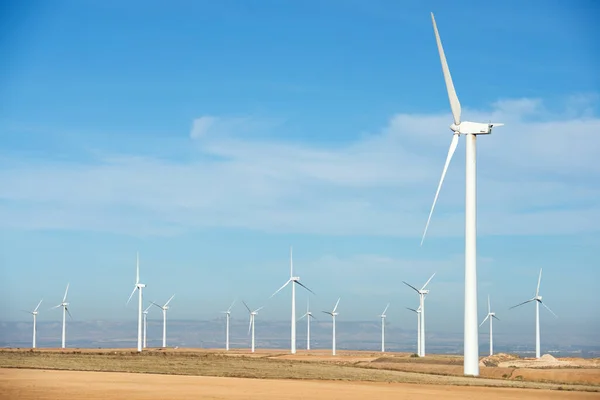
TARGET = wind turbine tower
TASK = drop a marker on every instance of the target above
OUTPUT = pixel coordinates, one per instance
(293, 280)
(227, 316)
(35, 313)
(333, 315)
(422, 293)
(418, 312)
(538, 300)
(471, 130)
(308, 316)
(490, 315)
(383, 328)
(138, 286)
(65, 307)
(146, 323)
(251, 325)
(164, 309)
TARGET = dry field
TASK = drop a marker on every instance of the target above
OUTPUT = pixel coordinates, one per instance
(55, 373)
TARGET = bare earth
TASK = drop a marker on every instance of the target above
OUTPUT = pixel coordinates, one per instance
(47, 385)
(275, 374)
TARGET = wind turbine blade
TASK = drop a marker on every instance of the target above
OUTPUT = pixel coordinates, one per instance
(429, 280)
(38, 306)
(168, 301)
(131, 295)
(298, 282)
(411, 309)
(496, 317)
(454, 103)
(336, 304)
(137, 268)
(146, 310)
(258, 309)
(548, 308)
(520, 304)
(291, 262)
(485, 319)
(537, 292)
(249, 310)
(302, 316)
(284, 285)
(56, 306)
(312, 316)
(411, 286)
(66, 291)
(451, 151)
(69, 312)
(327, 312)
(231, 306)
(386, 307)
(157, 305)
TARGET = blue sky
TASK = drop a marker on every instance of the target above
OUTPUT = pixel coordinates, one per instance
(211, 136)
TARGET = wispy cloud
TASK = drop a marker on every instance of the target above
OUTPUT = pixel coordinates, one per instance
(536, 176)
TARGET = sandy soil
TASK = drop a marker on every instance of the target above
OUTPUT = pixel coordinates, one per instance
(48, 385)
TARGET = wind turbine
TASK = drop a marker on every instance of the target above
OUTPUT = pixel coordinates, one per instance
(470, 130)
(308, 316)
(538, 300)
(333, 315)
(490, 315)
(227, 316)
(164, 309)
(251, 325)
(35, 313)
(383, 328)
(64, 305)
(293, 280)
(138, 286)
(418, 312)
(146, 323)
(422, 293)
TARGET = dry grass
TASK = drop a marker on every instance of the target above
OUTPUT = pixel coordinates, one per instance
(350, 366)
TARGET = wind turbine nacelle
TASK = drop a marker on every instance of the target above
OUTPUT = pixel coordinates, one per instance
(476, 128)
(140, 285)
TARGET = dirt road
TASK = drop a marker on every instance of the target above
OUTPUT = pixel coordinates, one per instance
(26, 384)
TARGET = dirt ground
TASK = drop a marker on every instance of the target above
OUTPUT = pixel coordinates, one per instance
(26, 384)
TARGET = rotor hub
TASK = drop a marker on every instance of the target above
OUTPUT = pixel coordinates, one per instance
(455, 128)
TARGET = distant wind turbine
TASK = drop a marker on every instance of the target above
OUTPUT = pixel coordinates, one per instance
(333, 315)
(164, 309)
(470, 130)
(538, 300)
(35, 313)
(146, 323)
(422, 293)
(251, 325)
(227, 316)
(64, 305)
(418, 312)
(308, 316)
(383, 328)
(138, 286)
(490, 315)
(293, 280)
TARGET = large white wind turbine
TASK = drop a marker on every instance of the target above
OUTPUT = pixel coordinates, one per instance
(308, 316)
(138, 286)
(422, 293)
(227, 316)
(293, 280)
(146, 324)
(490, 315)
(35, 313)
(164, 309)
(64, 305)
(383, 328)
(333, 315)
(418, 312)
(251, 325)
(538, 300)
(470, 130)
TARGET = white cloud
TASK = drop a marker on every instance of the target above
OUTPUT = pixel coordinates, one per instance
(536, 176)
